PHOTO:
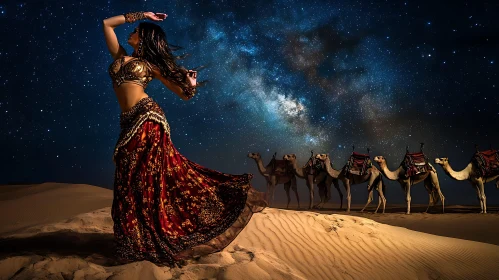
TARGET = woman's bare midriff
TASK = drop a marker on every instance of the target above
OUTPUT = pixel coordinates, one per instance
(129, 94)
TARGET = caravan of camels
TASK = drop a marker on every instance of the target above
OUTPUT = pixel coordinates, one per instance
(415, 168)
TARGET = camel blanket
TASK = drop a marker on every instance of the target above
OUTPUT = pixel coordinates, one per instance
(358, 164)
(280, 167)
(313, 166)
(487, 162)
(415, 163)
(320, 166)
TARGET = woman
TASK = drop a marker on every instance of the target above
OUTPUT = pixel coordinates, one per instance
(166, 208)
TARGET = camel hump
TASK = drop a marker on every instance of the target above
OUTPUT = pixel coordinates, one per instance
(487, 162)
(415, 155)
(417, 158)
(272, 162)
(493, 154)
(359, 155)
(358, 164)
(415, 163)
(281, 163)
(281, 167)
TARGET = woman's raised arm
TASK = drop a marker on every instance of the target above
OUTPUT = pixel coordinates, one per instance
(108, 25)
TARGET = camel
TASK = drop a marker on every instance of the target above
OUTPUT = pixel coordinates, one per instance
(308, 173)
(472, 174)
(373, 177)
(323, 181)
(430, 179)
(275, 177)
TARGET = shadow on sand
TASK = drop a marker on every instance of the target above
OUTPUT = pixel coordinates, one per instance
(400, 209)
(94, 247)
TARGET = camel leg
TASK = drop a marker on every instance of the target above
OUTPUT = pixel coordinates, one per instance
(381, 199)
(295, 189)
(429, 189)
(310, 186)
(322, 194)
(407, 189)
(311, 193)
(379, 204)
(267, 194)
(346, 182)
(272, 190)
(328, 192)
(442, 198)
(382, 193)
(337, 186)
(369, 199)
(477, 190)
(381, 196)
(482, 196)
(321, 181)
(436, 185)
(435, 190)
(370, 189)
(287, 186)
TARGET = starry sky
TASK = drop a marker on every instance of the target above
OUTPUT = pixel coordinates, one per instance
(285, 76)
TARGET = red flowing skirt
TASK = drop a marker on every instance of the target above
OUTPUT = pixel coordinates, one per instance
(167, 208)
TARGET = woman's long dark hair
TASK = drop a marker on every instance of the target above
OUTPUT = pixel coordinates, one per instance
(157, 51)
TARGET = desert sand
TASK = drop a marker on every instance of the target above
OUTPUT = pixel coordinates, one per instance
(64, 231)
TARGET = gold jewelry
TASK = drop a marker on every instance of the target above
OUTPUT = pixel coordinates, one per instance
(139, 49)
(133, 17)
(189, 92)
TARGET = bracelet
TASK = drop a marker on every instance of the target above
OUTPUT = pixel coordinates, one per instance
(133, 17)
(189, 92)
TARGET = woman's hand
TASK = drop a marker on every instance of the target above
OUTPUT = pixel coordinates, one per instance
(155, 16)
(191, 77)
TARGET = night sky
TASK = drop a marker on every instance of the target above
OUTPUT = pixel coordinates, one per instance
(284, 76)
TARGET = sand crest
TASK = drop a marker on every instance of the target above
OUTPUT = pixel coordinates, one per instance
(24, 206)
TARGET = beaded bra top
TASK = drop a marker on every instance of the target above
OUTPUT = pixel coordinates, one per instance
(135, 70)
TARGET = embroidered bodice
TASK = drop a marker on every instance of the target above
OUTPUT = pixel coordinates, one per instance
(134, 70)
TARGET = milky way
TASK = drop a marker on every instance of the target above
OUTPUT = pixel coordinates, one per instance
(283, 76)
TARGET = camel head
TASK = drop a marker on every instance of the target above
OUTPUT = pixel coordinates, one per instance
(290, 157)
(379, 159)
(254, 156)
(442, 161)
(322, 157)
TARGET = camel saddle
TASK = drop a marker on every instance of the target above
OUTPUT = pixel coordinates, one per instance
(312, 166)
(415, 163)
(358, 164)
(320, 166)
(280, 167)
(487, 162)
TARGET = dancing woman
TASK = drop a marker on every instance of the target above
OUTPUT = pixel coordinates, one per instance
(166, 208)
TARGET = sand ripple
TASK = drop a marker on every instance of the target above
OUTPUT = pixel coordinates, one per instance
(277, 244)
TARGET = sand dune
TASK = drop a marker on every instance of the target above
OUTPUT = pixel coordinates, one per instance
(459, 221)
(276, 244)
(347, 247)
(24, 206)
